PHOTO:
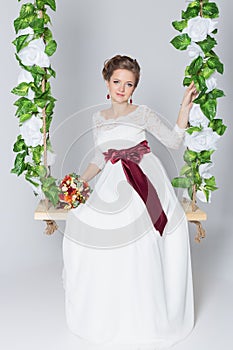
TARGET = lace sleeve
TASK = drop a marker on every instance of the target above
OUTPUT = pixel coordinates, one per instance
(98, 158)
(171, 138)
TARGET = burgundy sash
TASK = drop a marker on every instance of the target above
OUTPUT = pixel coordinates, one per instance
(130, 157)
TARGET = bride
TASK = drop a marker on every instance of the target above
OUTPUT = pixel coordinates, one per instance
(127, 267)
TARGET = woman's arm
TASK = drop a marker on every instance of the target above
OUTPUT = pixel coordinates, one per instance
(187, 102)
(91, 171)
(171, 138)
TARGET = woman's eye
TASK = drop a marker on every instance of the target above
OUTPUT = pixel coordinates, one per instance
(115, 81)
(130, 85)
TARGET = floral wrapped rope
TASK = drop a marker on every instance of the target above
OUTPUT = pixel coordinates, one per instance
(34, 46)
(198, 27)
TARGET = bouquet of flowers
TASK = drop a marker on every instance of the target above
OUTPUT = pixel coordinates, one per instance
(73, 191)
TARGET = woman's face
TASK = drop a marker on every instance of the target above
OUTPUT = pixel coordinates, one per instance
(121, 85)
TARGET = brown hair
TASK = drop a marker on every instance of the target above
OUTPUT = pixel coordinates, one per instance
(121, 62)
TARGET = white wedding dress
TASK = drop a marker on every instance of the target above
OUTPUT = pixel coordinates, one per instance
(125, 285)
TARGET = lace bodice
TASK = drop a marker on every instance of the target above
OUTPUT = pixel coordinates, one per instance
(128, 130)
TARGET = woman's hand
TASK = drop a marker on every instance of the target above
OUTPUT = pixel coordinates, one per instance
(186, 105)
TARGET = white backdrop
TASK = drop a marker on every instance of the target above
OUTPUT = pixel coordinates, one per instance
(87, 33)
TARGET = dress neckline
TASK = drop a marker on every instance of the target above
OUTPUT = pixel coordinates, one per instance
(121, 116)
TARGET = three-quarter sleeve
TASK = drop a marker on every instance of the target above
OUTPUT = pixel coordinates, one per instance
(170, 137)
(98, 158)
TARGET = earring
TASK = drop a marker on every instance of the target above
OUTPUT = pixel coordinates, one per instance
(131, 100)
(108, 96)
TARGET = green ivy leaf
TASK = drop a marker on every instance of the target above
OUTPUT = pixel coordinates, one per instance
(200, 83)
(41, 171)
(190, 156)
(50, 189)
(187, 81)
(38, 25)
(210, 10)
(47, 19)
(214, 63)
(27, 10)
(48, 36)
(185, 170)
(194, 128)
(216, 93)
(19, 145)
(218, 126)
(181, 42)
(51, 4)
(41, 103)
(51, 47)
(19, 165)
(209, 108)
(196, 65)
(48, 122)
(208, 44)
(24, 117)
(210, 184)
(19, 24)
(207, 72)
(204, 156)
(49, 108)
(180, 25)
(21, 42)
(192, 11)
(182, 182)
(26, 106)
(37, 153)
(52, 72)
(21, 89)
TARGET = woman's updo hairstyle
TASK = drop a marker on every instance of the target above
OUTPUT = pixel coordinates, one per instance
(121, 62)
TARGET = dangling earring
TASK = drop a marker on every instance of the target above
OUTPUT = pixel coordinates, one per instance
(131, 100)
(108, 96)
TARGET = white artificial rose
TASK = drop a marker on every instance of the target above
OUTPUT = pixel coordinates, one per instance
(204, 170)
(211, 83)
(197, 117)
(26, 77)
(26, 31)
(202, 140)
(30, 131)
(202, 197)
(194, 50)
(34, 54)
(198, 28)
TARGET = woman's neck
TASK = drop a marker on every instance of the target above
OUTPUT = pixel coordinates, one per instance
(119, 109)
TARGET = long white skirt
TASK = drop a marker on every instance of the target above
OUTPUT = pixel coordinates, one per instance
(125, 285)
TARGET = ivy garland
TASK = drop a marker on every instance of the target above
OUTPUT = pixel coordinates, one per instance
(198, 27)
(34, 45)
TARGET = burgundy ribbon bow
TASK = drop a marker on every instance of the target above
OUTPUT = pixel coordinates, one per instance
(130, 157)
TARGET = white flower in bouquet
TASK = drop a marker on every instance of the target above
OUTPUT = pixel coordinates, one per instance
(198, 28)
(34, 54)
(197, 117)
(30, 131)
(194, 50)
(26, 77)
(202, 140)
(211, 83)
